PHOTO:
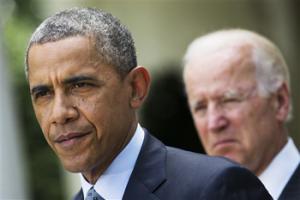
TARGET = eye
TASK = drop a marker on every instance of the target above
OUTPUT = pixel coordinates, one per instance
(41, 93)
(200, 108)
(80, 85)
(230, 100)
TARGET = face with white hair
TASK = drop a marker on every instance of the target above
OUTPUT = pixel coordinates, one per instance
(233, 117)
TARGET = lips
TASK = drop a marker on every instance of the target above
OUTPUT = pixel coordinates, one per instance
(68, 140)
(224, 143)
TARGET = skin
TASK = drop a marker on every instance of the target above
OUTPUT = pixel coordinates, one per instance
(86, 110)
(231, 118)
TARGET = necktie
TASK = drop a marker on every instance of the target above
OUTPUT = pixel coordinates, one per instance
(93, 195)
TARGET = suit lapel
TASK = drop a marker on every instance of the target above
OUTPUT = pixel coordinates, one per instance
(79, 196)
(149, 171)
(137, 190)
(291, 190)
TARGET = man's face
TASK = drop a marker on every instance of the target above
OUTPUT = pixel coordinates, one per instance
(231, 118)
(82, 105)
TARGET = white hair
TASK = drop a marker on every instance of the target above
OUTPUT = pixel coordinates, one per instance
(270, 67)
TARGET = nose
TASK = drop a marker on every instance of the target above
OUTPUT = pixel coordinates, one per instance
(216, 119)
(63, 110)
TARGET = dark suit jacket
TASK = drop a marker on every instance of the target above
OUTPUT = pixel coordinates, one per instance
(171, 174)
(292, 190)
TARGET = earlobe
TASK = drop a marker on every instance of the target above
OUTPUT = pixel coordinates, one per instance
(140, 81)
(283, 102)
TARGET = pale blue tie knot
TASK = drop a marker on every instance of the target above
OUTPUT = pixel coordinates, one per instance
(93, 195)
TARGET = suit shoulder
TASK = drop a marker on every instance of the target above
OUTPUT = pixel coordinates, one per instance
(213, 177)
(182, 157)
(193, 167)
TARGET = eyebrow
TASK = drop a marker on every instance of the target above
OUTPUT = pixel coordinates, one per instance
(38, 88)
(67, 81)
(76, 79)
(232, 93)
(241, 94)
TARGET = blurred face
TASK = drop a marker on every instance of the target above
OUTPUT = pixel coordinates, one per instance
(83, 106)
(232, 120)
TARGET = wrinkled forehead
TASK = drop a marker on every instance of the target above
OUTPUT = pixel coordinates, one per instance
(226, 52)
(234, 91)
(231, 63)
(223, 73)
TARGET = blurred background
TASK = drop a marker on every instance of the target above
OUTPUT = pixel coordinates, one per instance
(162, 29)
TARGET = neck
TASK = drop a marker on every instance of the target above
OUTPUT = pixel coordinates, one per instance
(282, 140)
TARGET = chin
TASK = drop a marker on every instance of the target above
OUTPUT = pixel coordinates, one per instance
(73, 166)
(228, 155)
(234, 158)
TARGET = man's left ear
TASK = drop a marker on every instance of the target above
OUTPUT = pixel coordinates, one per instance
(282, 102)
(140, 82)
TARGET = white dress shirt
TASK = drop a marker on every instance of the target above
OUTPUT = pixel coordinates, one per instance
(112, 183)
(280, 170)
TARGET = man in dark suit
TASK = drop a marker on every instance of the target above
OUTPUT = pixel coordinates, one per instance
(238, 90)
(86, 88)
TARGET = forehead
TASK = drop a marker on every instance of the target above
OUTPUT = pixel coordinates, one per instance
(61, 49)
(69, 54)
(220, 71)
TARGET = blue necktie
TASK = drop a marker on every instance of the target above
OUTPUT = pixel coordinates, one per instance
(93, 195)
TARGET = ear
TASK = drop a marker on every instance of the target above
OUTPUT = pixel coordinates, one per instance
(282, 98)
(140, 82)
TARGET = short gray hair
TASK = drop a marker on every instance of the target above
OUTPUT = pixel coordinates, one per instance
(113, 41)
(270, 66)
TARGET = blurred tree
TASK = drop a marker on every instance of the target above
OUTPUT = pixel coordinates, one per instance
(45, 181)
(27, 10)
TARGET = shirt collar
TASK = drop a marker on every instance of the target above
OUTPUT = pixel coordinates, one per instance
(112, 183)
(280, 170)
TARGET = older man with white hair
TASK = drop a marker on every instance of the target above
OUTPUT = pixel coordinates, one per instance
(238, 90)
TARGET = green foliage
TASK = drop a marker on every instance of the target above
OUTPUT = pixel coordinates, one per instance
(16, 34)
(44, 172)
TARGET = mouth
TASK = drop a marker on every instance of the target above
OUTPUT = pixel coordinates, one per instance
(69, 140)
(224, 143)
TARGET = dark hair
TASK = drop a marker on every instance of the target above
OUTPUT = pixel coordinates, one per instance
(113, 41)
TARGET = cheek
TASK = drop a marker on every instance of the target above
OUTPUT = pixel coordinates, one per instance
(263, 126)
(246, 123)
(88, 106)
(241, 116)
(252, 116)
(201, 127)
(41, 116)
(95, 111)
